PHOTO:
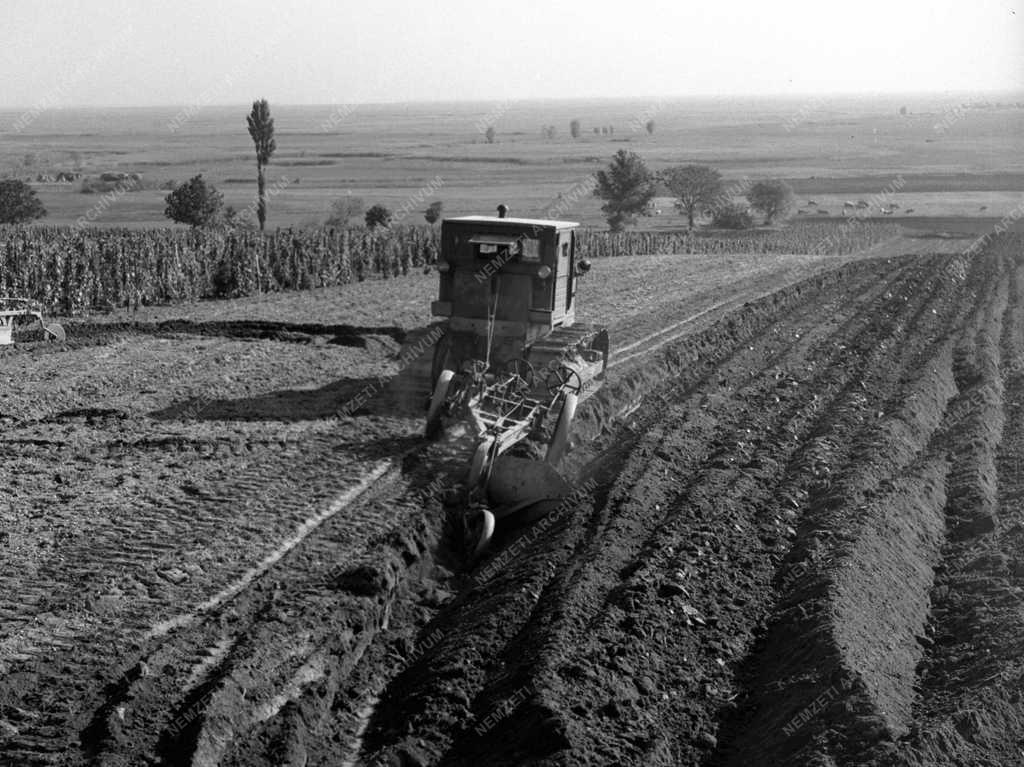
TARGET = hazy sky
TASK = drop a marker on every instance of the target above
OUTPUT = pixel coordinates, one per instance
(122, 52)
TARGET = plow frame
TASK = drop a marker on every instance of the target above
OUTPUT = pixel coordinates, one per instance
(12, 307)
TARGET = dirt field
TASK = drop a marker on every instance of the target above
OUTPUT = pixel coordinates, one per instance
(795, 537)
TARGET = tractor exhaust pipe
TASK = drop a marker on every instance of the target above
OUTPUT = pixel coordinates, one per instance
(503, 211)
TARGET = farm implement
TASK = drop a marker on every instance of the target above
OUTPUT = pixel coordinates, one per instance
(13, 308)
(510, 364)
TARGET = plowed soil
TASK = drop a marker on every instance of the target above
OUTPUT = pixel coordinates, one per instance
(795, 539)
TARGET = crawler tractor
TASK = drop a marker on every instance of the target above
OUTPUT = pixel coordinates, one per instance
(509, 360)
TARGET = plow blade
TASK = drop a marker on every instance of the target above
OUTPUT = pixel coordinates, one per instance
(516, 483)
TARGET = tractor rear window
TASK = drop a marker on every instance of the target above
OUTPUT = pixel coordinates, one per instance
(499, 254)
(500, 247)
(488, 249)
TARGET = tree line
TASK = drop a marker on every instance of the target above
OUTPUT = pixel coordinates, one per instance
(628, 186)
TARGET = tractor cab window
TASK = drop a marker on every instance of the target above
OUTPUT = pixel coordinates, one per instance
(497, 248)
(490, 250)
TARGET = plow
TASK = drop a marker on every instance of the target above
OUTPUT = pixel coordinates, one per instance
(12, 309)
(510, 364)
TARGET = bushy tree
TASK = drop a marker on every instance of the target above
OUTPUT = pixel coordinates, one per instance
(732, 216)
(378, 215)
(574, 128)
(195, 203)
(695, 187)
(18, 202)
(261, 129)
(773, 198)
(626, 187)
(433, 212)
(343, 209)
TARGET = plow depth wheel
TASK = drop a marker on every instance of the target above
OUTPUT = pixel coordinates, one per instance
(564, 379)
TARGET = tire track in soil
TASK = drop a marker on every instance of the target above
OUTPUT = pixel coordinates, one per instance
(66, 663)
(301, 627)
(484, 611)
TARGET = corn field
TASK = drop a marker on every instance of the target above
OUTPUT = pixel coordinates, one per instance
(73, 270)
(814, 239)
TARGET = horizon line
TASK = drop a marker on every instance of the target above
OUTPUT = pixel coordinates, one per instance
(1018, 90)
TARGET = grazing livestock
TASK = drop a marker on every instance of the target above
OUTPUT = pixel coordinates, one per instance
(908, 210)
(812, 204)
(863, 204)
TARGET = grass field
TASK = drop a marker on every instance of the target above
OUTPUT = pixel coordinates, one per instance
(406, 155)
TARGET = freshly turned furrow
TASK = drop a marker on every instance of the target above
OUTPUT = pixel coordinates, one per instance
(682, 363)
(820, 452)
(483, 613)
(970, 709)
(714, 493)
(662, 751)
(846, 637)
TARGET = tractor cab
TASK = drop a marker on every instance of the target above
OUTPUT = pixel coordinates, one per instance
(510, 359)
(507, 282)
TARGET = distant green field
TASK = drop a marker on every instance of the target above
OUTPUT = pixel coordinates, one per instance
(955, 164)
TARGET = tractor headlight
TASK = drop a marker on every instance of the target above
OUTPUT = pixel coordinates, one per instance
(544, 272)
(444, 267)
